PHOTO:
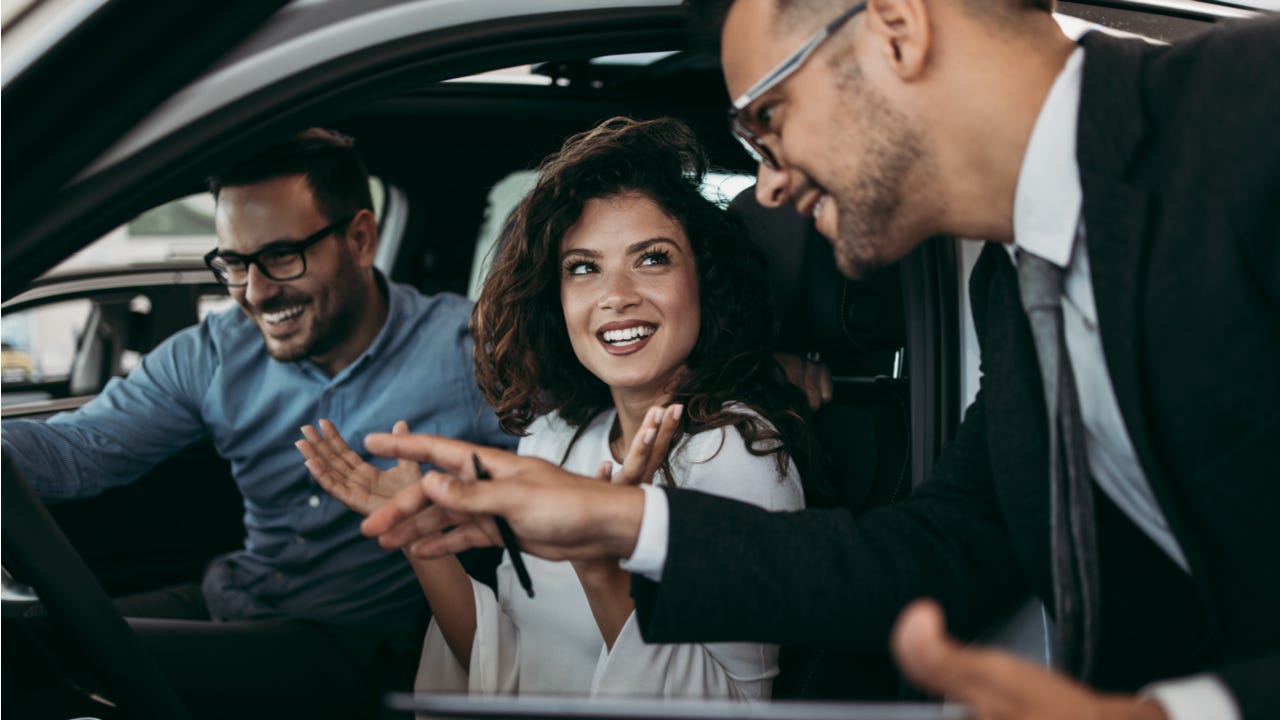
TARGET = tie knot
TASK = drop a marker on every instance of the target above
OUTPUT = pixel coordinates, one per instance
(1039, 282)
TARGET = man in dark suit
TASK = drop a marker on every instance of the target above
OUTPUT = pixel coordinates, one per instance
(1120, 466)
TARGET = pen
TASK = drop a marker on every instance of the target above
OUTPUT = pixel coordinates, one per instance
(508, 537)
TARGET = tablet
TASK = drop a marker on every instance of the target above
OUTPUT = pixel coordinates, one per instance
(583, 708)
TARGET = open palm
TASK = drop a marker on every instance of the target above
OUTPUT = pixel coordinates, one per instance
(346, 476)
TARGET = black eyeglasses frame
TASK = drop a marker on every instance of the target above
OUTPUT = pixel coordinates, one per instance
(284, 246)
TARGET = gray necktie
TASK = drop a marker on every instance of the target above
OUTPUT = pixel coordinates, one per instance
(1071, 517)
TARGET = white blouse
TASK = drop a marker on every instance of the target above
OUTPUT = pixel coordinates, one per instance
(550, 644)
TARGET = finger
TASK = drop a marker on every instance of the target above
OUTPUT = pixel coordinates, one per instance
(425, 523)
(933, 660)
(454, 456)
(304, 447)
(811, 384)
(920, 645)
(480, 533)
(606, 471)
(827, 385)
(323, 448)
(638, 454)
(402, 428)
(333, 483)
(394, 511)
(315, 461)
(670, 422)
(339, 446)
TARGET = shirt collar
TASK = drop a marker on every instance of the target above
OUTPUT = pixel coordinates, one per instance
(395, 308)
(1047, 201)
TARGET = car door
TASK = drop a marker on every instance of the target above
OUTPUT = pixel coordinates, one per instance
(82, 74)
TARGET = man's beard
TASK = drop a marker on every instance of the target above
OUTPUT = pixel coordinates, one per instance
(869, 208)
(347, 294)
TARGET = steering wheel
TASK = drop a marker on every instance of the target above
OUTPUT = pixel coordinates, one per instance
(36, 546)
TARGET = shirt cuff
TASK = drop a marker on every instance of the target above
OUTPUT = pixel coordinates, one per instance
(1199, 697)
(650, 554)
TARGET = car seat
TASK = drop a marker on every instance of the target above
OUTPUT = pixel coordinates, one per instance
(857, 329)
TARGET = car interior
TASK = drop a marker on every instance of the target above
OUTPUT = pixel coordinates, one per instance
(440, 136)
(441, 148)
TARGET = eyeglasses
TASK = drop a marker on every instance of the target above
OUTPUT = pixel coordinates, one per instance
(285, 260)
(742, 122)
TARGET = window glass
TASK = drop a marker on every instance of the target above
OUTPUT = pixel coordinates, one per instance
(179, 231)
(720, 188)
(39, 343)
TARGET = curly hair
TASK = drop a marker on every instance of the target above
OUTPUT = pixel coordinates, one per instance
(525, 364)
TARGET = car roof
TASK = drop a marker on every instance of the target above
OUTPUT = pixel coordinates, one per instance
(319, 59)
(311, 33)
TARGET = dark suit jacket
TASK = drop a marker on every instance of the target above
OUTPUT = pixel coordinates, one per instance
(1179, 153)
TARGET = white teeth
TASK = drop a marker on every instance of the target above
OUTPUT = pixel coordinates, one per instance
(628, 336)
(817, 207)
(282, 315)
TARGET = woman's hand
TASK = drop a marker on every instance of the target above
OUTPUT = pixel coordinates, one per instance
(648, 448)
(608, 586)
(346, 476)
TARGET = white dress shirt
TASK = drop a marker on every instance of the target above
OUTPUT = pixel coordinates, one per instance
(1047, 222)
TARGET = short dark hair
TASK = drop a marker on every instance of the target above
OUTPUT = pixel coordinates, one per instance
(524, 361)
(706, 17)
(337, 176)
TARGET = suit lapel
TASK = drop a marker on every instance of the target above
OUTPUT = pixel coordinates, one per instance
(1016, 416)
(1115, 214)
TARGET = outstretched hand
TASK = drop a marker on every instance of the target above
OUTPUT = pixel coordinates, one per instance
(345, 475)
(997, 685)
(556, 514)
(648, 448)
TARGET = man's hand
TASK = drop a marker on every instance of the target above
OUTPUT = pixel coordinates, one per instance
(996, 685)
(346, 476)
(812, 377)
(556, 514)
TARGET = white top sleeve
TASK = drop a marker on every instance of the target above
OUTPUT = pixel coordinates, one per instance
(495, 651)
(1200, 697)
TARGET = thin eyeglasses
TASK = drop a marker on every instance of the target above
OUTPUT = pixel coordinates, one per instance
(751, 138)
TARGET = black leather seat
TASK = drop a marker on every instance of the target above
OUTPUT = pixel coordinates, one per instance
(857, 329)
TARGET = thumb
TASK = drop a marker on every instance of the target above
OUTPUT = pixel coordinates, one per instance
(926, 654)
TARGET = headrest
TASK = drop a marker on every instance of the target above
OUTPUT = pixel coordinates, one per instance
(821, 310)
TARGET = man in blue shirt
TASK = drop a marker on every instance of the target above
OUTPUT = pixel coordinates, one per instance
(319, 333)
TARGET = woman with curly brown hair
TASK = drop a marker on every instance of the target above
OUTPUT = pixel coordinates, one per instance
(618, 290)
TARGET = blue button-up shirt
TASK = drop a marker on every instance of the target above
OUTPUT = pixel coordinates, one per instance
(303, 554)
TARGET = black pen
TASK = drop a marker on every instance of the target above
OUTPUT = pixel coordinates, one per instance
(508, 537)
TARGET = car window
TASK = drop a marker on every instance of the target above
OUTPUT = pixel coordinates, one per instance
(179, 230)
(718, 187)
(40, 342)
(114, 282)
